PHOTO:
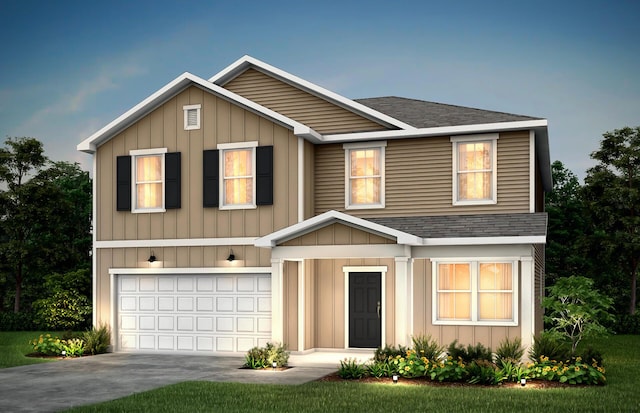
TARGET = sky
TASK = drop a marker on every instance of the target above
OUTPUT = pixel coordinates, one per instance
(68, 68)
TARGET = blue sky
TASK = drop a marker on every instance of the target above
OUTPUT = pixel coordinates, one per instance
(70, 67)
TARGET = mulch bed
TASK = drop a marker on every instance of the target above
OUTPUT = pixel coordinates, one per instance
(423, 381)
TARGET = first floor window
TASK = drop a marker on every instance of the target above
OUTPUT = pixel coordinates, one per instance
(475, 291)
(364, 174)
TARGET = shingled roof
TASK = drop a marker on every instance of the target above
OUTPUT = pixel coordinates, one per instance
(469, 226)
(423, 114)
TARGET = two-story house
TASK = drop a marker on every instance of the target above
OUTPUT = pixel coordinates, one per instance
(256, 206)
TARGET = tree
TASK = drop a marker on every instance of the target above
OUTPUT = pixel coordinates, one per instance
(576, 309)
(612, 196)
(20, 158)
(567, 226)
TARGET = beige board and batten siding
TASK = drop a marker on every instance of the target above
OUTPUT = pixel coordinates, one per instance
(313, 111)
(419, 180)
(222, 122)
(338, 234)
(490, 336)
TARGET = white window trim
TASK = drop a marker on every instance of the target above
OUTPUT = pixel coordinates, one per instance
(474, 264)
(222, 147)
(488, 137)
(134, 193)
(186, 109)
(347, 173)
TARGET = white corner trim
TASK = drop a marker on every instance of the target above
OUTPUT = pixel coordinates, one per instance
(301, 176)
(532, 171)
(180, 242)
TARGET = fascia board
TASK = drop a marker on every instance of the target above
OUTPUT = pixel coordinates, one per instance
(245, 62)
(90, 144)
(330, 217)
(438, 131)
(534, 239)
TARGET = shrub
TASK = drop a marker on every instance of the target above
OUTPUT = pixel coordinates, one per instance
(427, 347)
(263, 357)
(22, 321)
(47, 345)
(575, 371)
(470, 353)
(73, 347)
(484, 372)
(410, 364)
(68, 306)
(387, 353)
(379, 369)
(547, 345)
(447, 370)
(628, 323)
(97, 340)
(351, 369)
(509, 350)
(591, 355)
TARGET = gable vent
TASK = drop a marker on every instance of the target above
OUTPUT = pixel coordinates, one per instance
(191, 117)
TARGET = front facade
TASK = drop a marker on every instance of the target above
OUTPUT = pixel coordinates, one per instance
(256, 206)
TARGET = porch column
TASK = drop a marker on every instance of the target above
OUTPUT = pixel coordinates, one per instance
(277, 330)
(403, 301)
(527, 301)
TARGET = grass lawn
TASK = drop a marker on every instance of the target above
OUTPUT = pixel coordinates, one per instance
(622, 360)
(15, 344)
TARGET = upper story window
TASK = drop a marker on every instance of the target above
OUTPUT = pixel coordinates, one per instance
(238, 173)
(191, 117)
(474, 169)
(475, 292)
(364, 175)
(148, 180)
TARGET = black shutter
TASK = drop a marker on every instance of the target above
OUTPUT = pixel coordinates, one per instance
(172, 192)
(264, 175)
(123, 183)
(210, 180)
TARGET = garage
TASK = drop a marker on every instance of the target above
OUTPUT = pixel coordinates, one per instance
(203, 313)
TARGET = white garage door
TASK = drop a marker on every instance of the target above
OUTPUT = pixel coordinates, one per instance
(193, 313)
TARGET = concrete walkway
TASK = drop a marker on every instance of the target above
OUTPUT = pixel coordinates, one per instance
(55, 386)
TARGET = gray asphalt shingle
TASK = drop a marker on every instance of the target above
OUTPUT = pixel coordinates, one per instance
(462, 226)
(423, 114)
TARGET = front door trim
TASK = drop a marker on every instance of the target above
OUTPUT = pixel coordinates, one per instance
(382, 269)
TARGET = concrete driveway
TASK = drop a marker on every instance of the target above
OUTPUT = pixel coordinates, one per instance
(55, 386)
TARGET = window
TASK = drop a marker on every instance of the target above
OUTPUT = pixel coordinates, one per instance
(364, 175)
(237, 169)
(474, 169)
(475, 292)
(148, 180)
(191, 117)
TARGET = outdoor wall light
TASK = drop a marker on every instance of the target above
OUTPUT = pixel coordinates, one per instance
(523, 382)
(231, 257)
(395, 379)
(152, 257)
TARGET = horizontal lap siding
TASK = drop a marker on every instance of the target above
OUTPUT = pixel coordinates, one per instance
(221, 122)
(419, 178)
(319, 114)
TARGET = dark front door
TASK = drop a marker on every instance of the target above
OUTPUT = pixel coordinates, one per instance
(365, 310)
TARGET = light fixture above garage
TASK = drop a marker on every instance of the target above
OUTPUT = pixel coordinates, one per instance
(231, 256)
(152, 257)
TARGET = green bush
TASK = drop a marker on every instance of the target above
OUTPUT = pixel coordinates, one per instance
(97, 340)
(47, 345)
(627, 323)
(484, 372)
(447, 370)
(469, 353)
(425, 346)
(548, 345)
(379, 369)
(509, 350)
(387, 353)
(73, 347)
(263, 357)
(350, 369)
(22, 321)
(68, 306)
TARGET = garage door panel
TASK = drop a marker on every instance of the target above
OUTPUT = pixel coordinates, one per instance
(194, 313)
